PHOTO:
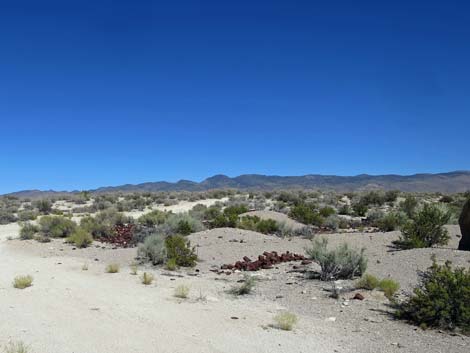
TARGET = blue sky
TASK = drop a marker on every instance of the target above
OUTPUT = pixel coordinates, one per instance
(96, 93)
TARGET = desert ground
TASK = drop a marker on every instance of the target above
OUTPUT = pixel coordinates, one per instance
(69, 309)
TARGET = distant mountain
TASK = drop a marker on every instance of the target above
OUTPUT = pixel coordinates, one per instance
(452, 182)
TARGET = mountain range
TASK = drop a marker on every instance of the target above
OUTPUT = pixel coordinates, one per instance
(458, 181)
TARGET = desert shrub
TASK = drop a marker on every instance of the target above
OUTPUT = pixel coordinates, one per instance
(27, 215)
(441, 300)
(56, 226)
(425, 229)
(344, 210)
(153, 218)
(80, 238)
(306, 214)
(44, 206)
(147, 278)
(373, 198)
(153, 249)
(179, 248)
(134, 268)
(332, 222)
(340, 263)
(391, 195)
(182, 291)
(181, 223)
(326, 211)
(7, 216)
(16, 347)
(409, 205)
(22, 282)
(368, 282)
(112, 268)
(389, 287)
(171, 265)
(265, 226)
(360, 209)
(245, 287)
(390, 221)
(446, 199)
(104, 223)
(229, 216)
(28, 230)
(285, 321)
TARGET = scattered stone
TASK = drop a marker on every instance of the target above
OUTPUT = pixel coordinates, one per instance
(330, 319)
(234, 317)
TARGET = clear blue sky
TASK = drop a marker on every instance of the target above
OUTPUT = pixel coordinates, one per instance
(103, 92)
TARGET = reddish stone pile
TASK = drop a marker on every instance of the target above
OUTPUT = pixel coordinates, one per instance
(123, 235)
(265, 261)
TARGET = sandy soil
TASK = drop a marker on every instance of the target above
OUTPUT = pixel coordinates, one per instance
(71, 310)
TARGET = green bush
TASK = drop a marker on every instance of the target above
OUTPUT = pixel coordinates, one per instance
(442, 300)
(425, 229)
(80, 237)
(409, 205)
(103, 224)
(44, 206)
(28, 230)
(340, 263)
(171, 265)
(153, 218)
(389, 287)
(368, 282)
(56, 226)
(360, 209)
(390, 221)
(306, 214)
(27, 215)
(181, 223)
(265, 226)
(153, 249)
(179, 248)
(7, 216)
(285, 321)
(327, 211)
(227, 218)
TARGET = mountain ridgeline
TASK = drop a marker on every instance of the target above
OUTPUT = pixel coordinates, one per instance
(451, 182)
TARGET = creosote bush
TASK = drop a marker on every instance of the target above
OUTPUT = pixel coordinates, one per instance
(306, 214)
(285, 321)
(56, 226)
(340, 263)
(22, 282)
(182, 291)
(80, 238)
(28, 230)
(442, 299)
(179, 249)
(425, 229)
(265, 226)
(112, 268)
(153, 218)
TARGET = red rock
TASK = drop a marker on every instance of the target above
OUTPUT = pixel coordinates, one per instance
(358, 296)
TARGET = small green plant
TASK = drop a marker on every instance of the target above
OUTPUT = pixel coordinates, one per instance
(56, 226)
(22, 282)
(85, 267)
(147, 278)
(340, 263)
(442, 299)
(112, 268)
(389, 287)
(246, 287)
(171, 265)
(16, 347)
(182, 291)
(285, 321)
(179, 248)
(80, 238)
(425, 229)
(368, 282)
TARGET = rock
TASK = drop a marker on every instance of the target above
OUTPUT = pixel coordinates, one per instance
(358, 296)
(330, 319)
(464, 222)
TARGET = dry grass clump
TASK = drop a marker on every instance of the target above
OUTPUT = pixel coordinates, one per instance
(182, 291)
(368, 281)
(134, 267)
(246, 287)
(22, 282)
(389, 287)
(147, 278)
(16, 347)
(285, 321)
(85, 267)
(112, 268)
